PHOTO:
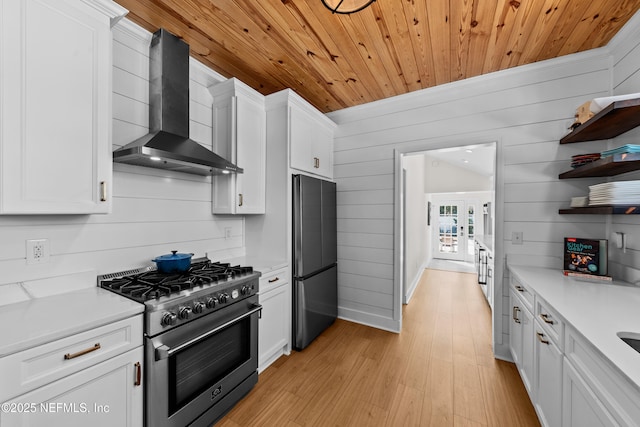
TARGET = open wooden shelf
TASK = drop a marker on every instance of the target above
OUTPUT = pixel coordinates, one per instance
(600, 210)
(615, 119)
(607, 166)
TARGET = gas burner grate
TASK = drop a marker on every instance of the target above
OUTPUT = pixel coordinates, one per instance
(151, 284)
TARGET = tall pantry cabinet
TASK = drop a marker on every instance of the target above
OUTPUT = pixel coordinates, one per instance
(55, 110)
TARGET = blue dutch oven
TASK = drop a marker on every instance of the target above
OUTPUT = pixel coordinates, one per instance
(173, 263)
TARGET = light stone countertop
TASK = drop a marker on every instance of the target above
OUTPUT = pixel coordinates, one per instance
(596, 310)
(37, 321)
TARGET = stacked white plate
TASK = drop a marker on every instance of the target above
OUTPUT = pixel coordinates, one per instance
(615, 193)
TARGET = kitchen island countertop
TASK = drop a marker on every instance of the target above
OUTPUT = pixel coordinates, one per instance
(596, 310)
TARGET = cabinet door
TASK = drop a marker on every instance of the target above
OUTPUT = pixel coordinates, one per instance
(521, 339)
(311, 143)
(301, 140)
(104, 395)
(322, 151)
(527, 359)
(515, 329)
(580, 406)
(240, 136)
(55, 140)
(224, 186)
(274, 325)
(548, 379)
(251, 156)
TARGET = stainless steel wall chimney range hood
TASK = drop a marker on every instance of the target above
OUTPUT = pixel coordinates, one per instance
(167, 146)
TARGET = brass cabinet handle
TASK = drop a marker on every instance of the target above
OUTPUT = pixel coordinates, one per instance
(546, 319)
(103, 191)
(316, 162)
(70, 356)
(138, 379)
(514, 313)
(275, 279)
(541, 338)
(241, 201)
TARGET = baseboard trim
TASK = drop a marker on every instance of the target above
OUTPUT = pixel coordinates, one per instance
(368, 319)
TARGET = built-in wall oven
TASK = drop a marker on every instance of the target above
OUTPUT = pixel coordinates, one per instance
(201, 340)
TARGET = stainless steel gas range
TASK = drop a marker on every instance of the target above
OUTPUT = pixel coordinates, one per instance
(201, 338)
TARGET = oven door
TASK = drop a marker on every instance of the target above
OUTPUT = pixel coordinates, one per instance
(197, 367)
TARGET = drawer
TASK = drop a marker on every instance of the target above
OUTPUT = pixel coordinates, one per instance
(617, 394)
(550, 321)
(525, 294)
(273, 279)
(26, 370)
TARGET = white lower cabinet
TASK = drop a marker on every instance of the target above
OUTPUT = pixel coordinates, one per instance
(273, 329)
(521, 339)
(569, 381)
(104, 395)
(548, 378)
(91, 378)
(581, 407)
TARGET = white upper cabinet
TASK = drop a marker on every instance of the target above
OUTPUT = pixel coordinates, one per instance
(311, 139)
(55, 106)
(239, 121)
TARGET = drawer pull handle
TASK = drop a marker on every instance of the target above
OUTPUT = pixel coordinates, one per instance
(541, 338)
(241, 199)
(546, 318)
(519, 288)
(103, 191)
(138, 368)
(70, 356)
(275, 279)
(514, 314)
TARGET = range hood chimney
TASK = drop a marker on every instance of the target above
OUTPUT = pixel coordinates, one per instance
(167, 146)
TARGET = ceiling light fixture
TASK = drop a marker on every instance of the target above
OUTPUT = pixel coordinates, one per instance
(346, 7)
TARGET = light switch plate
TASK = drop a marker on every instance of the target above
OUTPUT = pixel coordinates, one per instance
(516, 237)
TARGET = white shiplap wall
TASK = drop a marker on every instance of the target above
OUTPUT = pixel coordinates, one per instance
(154, 211)
(626, 79)
(526, 110)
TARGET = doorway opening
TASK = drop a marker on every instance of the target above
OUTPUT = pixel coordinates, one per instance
(444, 191)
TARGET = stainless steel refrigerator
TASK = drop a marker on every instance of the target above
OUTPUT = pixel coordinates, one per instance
(315, 269)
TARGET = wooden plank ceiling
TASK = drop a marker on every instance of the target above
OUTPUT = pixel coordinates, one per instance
(392, 47)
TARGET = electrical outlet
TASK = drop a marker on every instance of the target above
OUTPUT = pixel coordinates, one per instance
(516, 237)
(227, 233)
(37, 251)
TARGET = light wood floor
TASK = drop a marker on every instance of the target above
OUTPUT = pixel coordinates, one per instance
(439, 371)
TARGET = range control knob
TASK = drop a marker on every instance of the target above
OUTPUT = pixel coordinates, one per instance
(211, 302)
(198, 307)
(184, 312)
(222, 298)
(168, 319)
(246, 290)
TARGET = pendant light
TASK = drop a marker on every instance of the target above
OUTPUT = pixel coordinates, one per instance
(346, 7)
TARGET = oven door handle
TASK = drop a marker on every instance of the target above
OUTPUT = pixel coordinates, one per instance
(164, 352)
